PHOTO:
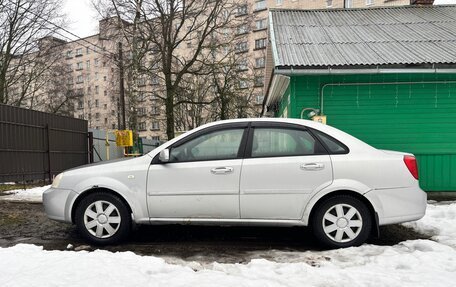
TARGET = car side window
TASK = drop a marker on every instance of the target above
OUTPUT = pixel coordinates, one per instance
(272, 142)
(333, 145)
(216, 145)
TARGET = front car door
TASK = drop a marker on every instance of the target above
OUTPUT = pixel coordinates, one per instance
(284, 164)
(201, 180)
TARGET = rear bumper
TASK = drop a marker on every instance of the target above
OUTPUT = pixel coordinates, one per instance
(57, 203)
(399, 204)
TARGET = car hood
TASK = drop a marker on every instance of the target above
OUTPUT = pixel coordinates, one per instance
(100, 165)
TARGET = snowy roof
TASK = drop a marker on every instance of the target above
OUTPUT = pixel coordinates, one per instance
(364, 37)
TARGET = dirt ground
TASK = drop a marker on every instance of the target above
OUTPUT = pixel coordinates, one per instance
(27, 223)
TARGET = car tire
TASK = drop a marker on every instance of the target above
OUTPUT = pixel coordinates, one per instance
(103, 218)
(341, 221)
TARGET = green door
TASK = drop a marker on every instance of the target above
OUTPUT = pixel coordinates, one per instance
(419, 118)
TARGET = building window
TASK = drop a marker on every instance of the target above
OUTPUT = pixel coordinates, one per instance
(104, 78)
(97, 115)
(189, 44)
(80, 105)
(96, 62)
(96, 103)
(105, 106)
(79, 79)
(259, 99)
(243, 65)
(79, 66)
(241, 10)
(243, 84)
(155, 138)
(155, 80)
(260, 43)
(259, 81)
(141, 111)
(242, 29)
(142, 126)
(69, 67)
(80, 92)
(89, 90)
(279, 2)
(259, 62)
(87, 50)
(329, 3)
(260, 5)
(105, 93)
(155, 126)
(260, 24)
(70, 81)
(155, 110)
(369, 2)
(69, 54)
(79, 52)
(113, 126)
(97, 89)
(141, 82)
(81, 116)
(348, 3)
(242, 47)
(88, 64)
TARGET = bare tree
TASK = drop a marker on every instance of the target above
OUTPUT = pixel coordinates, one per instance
(175, 35)
(22, 24)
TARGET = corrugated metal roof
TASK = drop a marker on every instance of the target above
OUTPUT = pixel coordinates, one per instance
(374, 36)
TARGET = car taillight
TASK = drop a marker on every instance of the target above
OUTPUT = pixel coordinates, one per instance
(410, 162)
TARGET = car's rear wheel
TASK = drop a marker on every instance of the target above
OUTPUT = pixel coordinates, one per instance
(103, 218)
(341, 221)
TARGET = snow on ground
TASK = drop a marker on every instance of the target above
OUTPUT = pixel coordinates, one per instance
(409, 263)
(34, 194)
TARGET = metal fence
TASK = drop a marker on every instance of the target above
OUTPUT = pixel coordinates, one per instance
(37, 146)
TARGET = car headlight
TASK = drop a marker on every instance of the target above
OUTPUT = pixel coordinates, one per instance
(56, 181)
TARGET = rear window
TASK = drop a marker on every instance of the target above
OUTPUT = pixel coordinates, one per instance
(334, 146)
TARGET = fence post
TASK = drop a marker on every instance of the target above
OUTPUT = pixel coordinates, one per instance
(48, 148)
(90, 134)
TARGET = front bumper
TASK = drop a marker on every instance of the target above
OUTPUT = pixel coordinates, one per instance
(57, 203)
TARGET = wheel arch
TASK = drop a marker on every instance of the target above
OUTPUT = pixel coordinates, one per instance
(348, 192)
(93, 190)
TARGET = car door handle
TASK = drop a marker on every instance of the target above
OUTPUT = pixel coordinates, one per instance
(312, 166)
(222, 170)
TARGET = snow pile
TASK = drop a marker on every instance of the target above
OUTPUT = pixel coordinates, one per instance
(34, 194)
(439, 222)
(409, 263)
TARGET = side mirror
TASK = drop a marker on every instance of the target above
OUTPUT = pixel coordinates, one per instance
(164, 155)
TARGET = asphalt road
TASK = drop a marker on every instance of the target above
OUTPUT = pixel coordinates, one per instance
(27, 223)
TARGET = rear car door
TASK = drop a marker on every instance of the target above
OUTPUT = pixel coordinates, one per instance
(284, 164)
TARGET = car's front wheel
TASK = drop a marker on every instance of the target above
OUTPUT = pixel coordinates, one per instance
(342, 221)
(102, 218)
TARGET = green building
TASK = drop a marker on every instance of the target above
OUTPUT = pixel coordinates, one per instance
(384, 75)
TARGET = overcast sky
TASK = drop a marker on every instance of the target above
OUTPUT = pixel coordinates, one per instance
(83, 18)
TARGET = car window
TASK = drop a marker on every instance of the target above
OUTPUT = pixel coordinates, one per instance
(271, 142)
(217, 145)
(333, 145)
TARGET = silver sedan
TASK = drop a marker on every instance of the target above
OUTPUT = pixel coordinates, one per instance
(279, 172)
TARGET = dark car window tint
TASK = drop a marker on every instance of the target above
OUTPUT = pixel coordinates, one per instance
(332, 144)
(270, 142)
(216, 145)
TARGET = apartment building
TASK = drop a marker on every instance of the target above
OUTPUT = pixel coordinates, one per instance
(92, 66)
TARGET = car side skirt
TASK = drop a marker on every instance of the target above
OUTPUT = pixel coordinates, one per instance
(225, 222)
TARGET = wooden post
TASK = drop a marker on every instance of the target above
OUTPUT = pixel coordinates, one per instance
(90, 135)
